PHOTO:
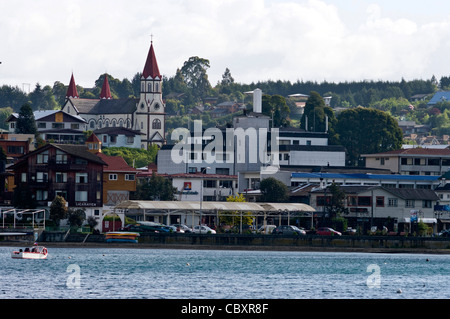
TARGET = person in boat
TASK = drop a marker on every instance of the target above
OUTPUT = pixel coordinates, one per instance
(26, 249)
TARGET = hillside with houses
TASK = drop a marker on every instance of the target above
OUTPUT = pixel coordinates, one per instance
(367, 156)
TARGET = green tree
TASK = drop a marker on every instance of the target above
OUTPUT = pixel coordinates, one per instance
(194, 73)
(234, 218)
(157, 188)
(76, 217)
(367, 131)
(26, 123)
(276, 107)
(318, 116)
(133, 156)
(58, 209)
(273, 190)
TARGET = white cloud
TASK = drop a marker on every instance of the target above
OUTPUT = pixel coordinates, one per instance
(45, 41)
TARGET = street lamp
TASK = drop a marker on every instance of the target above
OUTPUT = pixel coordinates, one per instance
(202, 171)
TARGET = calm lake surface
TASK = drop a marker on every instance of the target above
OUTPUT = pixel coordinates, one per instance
(122, 273)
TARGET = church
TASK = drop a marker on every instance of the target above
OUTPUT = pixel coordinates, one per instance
(145, 114)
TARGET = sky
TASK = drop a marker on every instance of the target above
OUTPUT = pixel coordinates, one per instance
(46, 41)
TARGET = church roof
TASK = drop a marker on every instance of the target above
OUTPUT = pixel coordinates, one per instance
(151, 66)
(72, 90)
(106, 92)
(104, 106)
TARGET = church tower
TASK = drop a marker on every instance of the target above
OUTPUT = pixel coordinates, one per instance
(150, 112)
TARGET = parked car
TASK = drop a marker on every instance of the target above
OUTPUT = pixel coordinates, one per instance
(268, 229)
(444, 233)
(288, 230)
(203, 229)
(350, 231)
(176, 229)
(327, 231)
(183, 227)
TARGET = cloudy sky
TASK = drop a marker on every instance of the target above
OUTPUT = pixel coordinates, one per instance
(335, 40)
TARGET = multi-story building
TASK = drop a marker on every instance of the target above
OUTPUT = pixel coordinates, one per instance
(70, 171)
(412, 161)
(393, 208)
(248, 147)
(55, 125)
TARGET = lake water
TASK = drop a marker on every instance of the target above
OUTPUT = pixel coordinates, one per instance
(122, 273)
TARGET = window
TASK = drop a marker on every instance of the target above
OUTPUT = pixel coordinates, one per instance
(81, 196)
(226, 184)
(192, 170)
(61, 157)
(130, 177)
(113, 177)
(63, 194)
(392, 202)
(75, 126)
(322, 201)
(61, 177)
(41, 194)
(364, 201)
(15, 149)
(42, 158)
(130, 139)
(156, 124)
(92, 124)
(209, 183)
(23, 177)
(81, 178)
(426, 204)
(380, 201)
(58, 125)
(222, 171)
(42, 125)
(41, 177)
(409, 203)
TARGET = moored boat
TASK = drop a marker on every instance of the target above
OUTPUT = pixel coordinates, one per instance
(34, 252)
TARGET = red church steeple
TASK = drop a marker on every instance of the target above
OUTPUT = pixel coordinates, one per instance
(151, 66)
(106, 92)
(72, 90)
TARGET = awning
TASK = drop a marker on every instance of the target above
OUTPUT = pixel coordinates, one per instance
(425, 220)
(214, 206)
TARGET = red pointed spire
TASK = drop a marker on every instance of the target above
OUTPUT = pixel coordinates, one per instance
(106, 92)
(72, 90)
(151, 66)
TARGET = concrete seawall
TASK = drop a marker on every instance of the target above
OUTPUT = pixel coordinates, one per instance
(265, 242)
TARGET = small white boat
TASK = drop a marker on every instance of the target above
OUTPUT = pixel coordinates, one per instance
(34, 252)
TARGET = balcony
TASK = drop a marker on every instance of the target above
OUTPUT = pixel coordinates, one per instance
(53, 165)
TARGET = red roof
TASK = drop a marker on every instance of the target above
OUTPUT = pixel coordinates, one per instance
(151, 66)
(116, 164)
(72, 90)
(106, 92)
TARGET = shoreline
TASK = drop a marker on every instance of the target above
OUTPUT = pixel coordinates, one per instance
(229, 247)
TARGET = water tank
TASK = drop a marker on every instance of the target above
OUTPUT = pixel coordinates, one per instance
(257, 101)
